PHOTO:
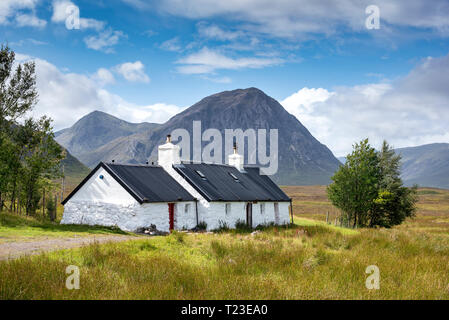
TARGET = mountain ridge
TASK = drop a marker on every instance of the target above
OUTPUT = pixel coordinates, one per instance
(302, 158)
(95, 130)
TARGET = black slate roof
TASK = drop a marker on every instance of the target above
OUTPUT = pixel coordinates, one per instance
(216, 182)
(144, 183)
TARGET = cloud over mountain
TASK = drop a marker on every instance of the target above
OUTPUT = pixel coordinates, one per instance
(413, 110)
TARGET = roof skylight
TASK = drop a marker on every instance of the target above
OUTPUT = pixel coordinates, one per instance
(201, 174)
(234, 176)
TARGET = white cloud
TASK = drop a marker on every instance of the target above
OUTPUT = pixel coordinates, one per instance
(28, 41)
(66, 97)
(133, 71)
(104, 41)
(103, 77)
(171, 45)
(207, 61)
(411, 111)
(288, 18)
(61, 13)
(217, 33)
(22, 10)
(139, 4)
(29, 20)
(218, 79)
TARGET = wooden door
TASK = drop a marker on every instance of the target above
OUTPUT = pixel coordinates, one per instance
(171, 215)
(249, 214)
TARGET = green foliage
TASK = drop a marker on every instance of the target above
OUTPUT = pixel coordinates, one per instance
(29, 155)
(202, 226)
(242, 226)
(51, 208)
(368, 188)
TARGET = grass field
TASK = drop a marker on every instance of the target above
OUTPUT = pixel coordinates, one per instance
(307, 260)
(21, 228)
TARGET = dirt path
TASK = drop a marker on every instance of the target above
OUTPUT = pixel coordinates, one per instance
(12, 250)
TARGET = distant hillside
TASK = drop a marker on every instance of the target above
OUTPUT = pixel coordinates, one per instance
(303, 160)
(73, 167)
(427, 165)
(95, 130)
(74, 170)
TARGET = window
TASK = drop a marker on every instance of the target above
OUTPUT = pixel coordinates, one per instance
(201, 174)
(262, 208)
(228, 209)
(187, 208)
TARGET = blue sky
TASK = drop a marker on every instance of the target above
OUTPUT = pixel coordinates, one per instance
(147, 60)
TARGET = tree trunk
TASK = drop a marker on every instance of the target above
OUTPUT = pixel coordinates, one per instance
(1, 202)
(55, 210)
(43, 203)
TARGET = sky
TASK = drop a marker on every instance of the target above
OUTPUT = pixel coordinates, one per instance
(345, 74)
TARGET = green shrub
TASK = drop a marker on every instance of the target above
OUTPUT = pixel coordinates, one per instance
(202, 226)
(222, 226)
(241, 225)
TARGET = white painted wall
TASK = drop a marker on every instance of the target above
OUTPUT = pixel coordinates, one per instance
(104, 202)
(217, 212)
(106, 190)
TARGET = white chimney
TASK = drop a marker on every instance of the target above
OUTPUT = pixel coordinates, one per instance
(168, 154)
(236, 159)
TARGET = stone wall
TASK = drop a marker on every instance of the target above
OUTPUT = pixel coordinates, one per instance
(129, 217)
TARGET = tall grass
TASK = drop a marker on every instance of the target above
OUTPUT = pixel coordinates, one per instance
(292, 262)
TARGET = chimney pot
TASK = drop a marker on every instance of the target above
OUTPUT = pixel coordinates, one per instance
(168, 138)
(236, 159)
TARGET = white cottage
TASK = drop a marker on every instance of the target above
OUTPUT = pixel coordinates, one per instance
(176, 195)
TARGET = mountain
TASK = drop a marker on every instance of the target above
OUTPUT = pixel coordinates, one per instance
(302, 158)
(95, 130)
(342, 159)
(427, 165)
(74, 170)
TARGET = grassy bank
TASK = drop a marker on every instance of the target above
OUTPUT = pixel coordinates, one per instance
(21, 228)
